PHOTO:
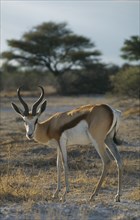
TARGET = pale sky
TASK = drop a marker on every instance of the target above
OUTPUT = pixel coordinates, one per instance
(106, 22)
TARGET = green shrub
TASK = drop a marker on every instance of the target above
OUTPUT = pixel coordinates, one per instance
(29, 79)
(127, 81)
(86, 81)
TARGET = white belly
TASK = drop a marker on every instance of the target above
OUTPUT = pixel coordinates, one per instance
(78, 135)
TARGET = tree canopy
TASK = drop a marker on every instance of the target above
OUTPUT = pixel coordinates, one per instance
(52, 46)
(131, 49)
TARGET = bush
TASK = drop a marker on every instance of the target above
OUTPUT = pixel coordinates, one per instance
(9, 81)
(94, 80)
(127, 81)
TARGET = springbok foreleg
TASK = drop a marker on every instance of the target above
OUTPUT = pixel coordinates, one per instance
(63, 143)
(55, 195)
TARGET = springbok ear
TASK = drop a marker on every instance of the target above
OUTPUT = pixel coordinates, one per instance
(42, 108)
(18, 110)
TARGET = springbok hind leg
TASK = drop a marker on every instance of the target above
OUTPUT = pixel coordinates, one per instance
(115, 153)
(106, 161)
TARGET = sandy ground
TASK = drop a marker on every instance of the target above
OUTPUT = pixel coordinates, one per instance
(77, 206)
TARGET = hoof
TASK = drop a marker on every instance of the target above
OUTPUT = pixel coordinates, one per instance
(55, 195)
(117, 198)
(62, 199)
(92, 198)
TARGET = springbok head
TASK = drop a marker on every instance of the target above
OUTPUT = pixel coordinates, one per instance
(30, 118)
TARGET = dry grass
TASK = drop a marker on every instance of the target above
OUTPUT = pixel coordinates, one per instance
(134, 194)
(28, 169)
(132, 112)
(22, 186)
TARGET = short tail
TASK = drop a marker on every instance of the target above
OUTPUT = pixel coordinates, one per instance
(117, 115)
(116, 140)
(115, 126)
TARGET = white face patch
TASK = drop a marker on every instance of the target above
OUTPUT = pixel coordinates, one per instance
(30, 124)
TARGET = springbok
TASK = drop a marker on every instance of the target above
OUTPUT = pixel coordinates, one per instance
(89, 124)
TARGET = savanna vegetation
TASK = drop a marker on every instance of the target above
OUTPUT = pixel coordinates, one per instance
(53, 55)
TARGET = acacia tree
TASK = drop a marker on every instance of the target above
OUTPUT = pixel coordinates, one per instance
(52, 46)
(131, 49)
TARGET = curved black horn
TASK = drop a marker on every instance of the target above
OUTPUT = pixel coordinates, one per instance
(26, 109)
(35, 105)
